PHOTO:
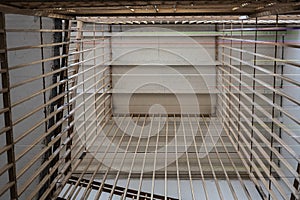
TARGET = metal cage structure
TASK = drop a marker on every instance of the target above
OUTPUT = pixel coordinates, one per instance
(62, 138)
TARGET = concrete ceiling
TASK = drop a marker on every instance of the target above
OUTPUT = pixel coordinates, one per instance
(253, 8)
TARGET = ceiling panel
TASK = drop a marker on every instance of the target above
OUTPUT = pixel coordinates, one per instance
(153, 8)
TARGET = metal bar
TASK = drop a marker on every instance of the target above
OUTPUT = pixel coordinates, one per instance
(42, 45)
(119, 190)
(99, 192)
(260, 162)
(12, 185)
(232, 136)
(271, 59)
(38, 62)
(5, 168)
(75, 155)
(145, 156)
(55, 112)
(58, 37)
(43, 72)
(210, 162)
(296, 184)
(263, 152)
(38, 30)
(123, 160)
(133, 160)
(263, 97)
(216, 43)
(166, 160)
(44, 75)
(240, 77)
(187, 158)
(270, 179)
(5, 148)
(155, 158)
(88, 188)
(263, 42)
(273, 108)
(177, 163)
(289, 150)
(226, 119)
(256, 28)
(93, 131)
(232, 162)
(72, 192)
(198, 159)
(72, 94)
(253, 94)
(219, 158)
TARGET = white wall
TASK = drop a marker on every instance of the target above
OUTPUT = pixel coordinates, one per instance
(169, 65)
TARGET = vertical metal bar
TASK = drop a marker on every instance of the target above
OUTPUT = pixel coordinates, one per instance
(88, 188)
(84, 91)
(58, 37)
(123, 160)
(94, 70)
(281, 98)
(110, 66)
(99, 192)
(133, 160)
(155, 158)
(73, 82)
(253, 95)
(220, 159)
(296, 184)
(216, 43)
(240, 77)
(230, 71)
(177, 164)
(263, 153)
(187, 157)
(232, 163)
(43, 72)
(74, 192)
(273, 108)
(145, 155)
(103, 57)
(198, 159)
(242, 153)
(8, 113)
(54, 92)
(223, 43)
(76, 151)
(166, 158)
(209, 159)
(233, 135)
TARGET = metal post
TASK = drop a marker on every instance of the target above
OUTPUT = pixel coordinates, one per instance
(216, 43)
(8, 113)
(253, 95)
(43, 71)
(110, 68)
(73, 93)
(240, 85)
(273, 108)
